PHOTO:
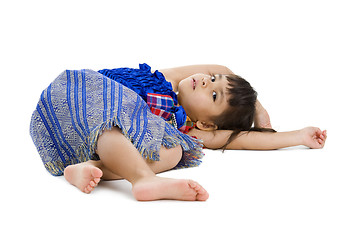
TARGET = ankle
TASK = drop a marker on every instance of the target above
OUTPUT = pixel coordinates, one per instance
(95, 163)
(143, 177)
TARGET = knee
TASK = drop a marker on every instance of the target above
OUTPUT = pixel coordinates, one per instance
(112, 132)
(107, 138)
(171, 156)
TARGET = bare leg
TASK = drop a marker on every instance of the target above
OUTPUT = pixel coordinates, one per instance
(86, 175)
(146, 186)
(118, 154)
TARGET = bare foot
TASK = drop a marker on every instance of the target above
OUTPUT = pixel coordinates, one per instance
(84, 176)
(155, 188)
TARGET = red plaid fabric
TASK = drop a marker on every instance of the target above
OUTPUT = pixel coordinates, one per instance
(188, 125)
(163, 106)
(160, 105)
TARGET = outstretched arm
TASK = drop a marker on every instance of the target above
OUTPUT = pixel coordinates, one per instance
(311, 137)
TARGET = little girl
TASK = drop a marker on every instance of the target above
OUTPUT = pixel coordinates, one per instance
(121, 124)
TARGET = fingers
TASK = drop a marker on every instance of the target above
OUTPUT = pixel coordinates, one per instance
(323, 135)
(322, 138)
(315, 137)
(319, 137)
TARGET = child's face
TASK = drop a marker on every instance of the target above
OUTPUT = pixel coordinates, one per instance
(203, 96)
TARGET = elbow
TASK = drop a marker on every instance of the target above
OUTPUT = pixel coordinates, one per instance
(226, 70)
(212, 146)
(229, 70)
(234, 146)
(215, 145)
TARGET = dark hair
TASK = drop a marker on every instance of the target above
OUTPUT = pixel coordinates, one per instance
(239, 116)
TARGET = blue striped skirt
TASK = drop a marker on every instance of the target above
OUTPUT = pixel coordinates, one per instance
(79, 105)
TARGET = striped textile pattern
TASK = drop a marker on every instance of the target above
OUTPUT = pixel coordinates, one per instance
(80, 104)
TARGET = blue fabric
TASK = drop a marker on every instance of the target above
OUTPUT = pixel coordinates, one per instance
(78, 105)
(180, 116)
(143, 81)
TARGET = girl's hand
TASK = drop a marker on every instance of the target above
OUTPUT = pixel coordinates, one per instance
(313, 137)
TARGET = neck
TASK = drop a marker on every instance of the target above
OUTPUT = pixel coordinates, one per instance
(174, 85)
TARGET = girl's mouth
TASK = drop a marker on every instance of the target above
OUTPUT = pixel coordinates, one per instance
(194, 83)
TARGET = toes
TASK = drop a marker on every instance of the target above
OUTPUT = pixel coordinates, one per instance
(192, 184)
(96, 180)
(92, 183)
(202, 194)
(196, 186)
(96, 173)
(88, 189)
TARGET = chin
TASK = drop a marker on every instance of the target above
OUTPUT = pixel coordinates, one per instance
(181, 93)
(180, 97)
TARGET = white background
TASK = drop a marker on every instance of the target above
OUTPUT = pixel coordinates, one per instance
(303, 58)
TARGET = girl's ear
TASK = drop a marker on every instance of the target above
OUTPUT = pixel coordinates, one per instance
(206, 126)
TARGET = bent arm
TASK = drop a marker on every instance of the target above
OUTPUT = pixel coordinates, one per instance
(177, 74)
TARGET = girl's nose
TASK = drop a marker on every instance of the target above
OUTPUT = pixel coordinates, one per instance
(205, 82)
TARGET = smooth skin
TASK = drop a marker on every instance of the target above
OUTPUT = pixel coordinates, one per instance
(146, 186)
(119, 159)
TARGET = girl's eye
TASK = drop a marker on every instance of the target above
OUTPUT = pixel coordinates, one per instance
(213, 78)
(214, 96)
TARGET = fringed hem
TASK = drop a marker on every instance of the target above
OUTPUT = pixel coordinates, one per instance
(192, 148)
(55, 168)
(87, 149)
(79, 105)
